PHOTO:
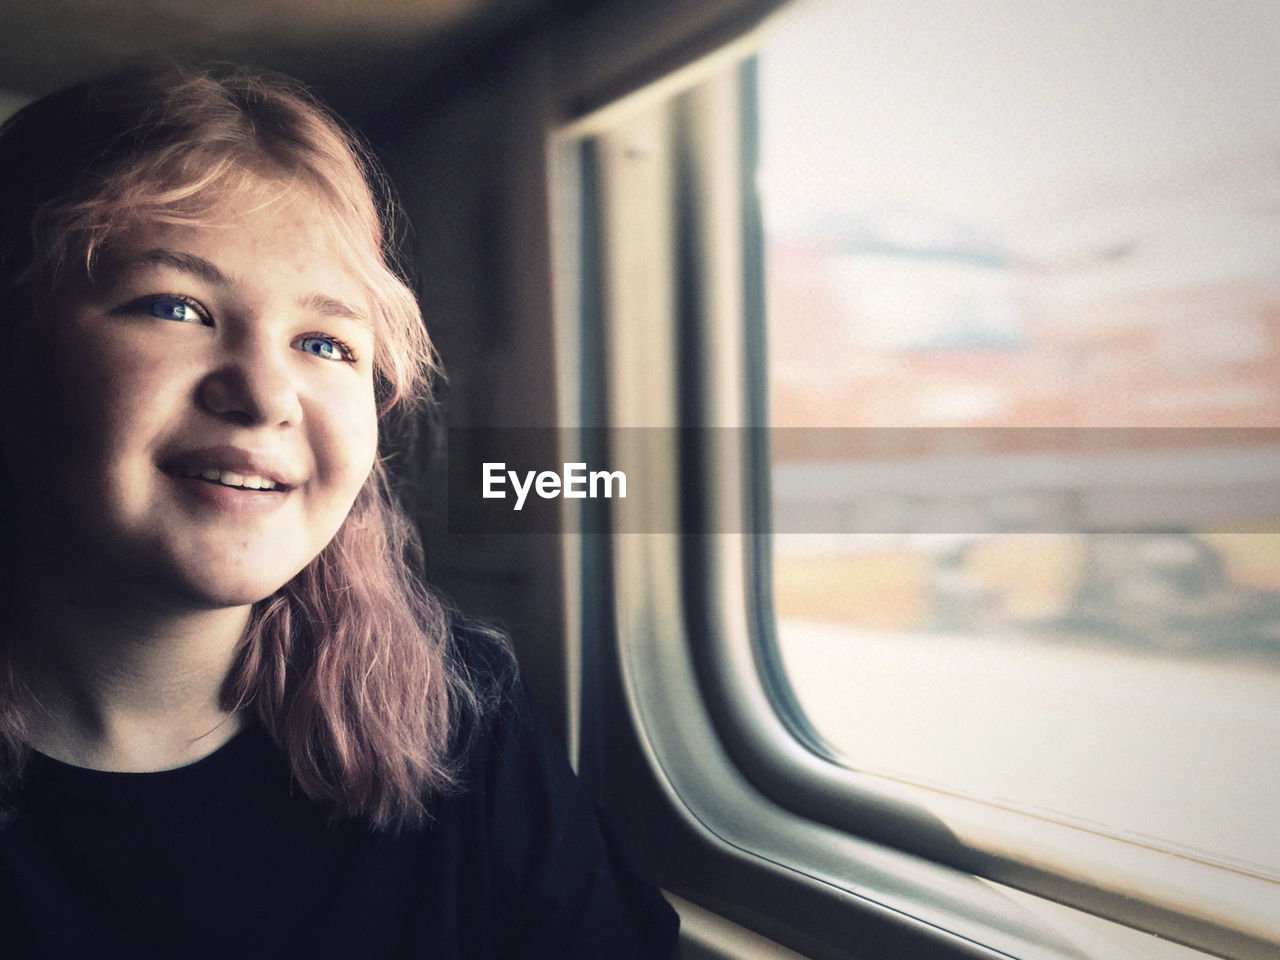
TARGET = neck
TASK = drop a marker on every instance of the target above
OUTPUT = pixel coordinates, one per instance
(126, 689)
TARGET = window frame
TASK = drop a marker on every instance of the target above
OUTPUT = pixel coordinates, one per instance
(674, 713)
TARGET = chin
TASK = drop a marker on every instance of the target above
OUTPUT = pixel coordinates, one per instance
(206, 589)
(232, 597)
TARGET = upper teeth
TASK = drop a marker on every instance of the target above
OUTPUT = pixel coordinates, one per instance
(230, 478)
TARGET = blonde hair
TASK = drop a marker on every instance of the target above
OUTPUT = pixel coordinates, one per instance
(350, 666)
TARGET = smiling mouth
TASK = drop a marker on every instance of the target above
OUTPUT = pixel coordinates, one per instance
(229, 478)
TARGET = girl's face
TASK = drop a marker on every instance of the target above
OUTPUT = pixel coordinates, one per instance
(203, 412)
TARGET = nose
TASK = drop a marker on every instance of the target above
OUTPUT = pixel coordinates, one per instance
(252, 387)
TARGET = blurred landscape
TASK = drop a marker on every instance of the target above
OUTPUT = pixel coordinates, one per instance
(1022, 280)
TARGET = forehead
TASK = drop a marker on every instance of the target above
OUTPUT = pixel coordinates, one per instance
(262, 234)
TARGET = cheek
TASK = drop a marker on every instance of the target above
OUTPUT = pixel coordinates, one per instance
(105, 399)
(79, 413)
(350, 442)
(85, 397)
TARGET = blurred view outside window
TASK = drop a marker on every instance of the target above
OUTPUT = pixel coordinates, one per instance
(1023, 301)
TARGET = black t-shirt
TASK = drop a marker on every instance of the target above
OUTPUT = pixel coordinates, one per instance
(227, 858)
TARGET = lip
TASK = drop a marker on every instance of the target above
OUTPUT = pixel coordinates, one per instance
(189, 464)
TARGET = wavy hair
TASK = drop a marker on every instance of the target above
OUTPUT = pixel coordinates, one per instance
(350, 666)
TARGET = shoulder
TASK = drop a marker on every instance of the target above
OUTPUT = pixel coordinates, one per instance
(558, 877)
(486, 677)
(483, 654)
(496, 714)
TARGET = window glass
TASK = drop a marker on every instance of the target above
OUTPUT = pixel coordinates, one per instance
(1023, 315)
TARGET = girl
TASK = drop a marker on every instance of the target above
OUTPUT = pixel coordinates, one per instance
(231, 721)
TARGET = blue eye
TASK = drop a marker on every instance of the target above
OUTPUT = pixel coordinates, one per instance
(324, 347)
(174, 308)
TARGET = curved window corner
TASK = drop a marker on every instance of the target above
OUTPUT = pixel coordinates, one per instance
(947, 601)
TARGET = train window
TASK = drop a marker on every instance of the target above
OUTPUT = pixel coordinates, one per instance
(968, 317)
(1022, 297)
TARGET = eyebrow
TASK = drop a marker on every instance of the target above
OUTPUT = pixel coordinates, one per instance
(328, 306)
(209, 272)
(187, 262)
